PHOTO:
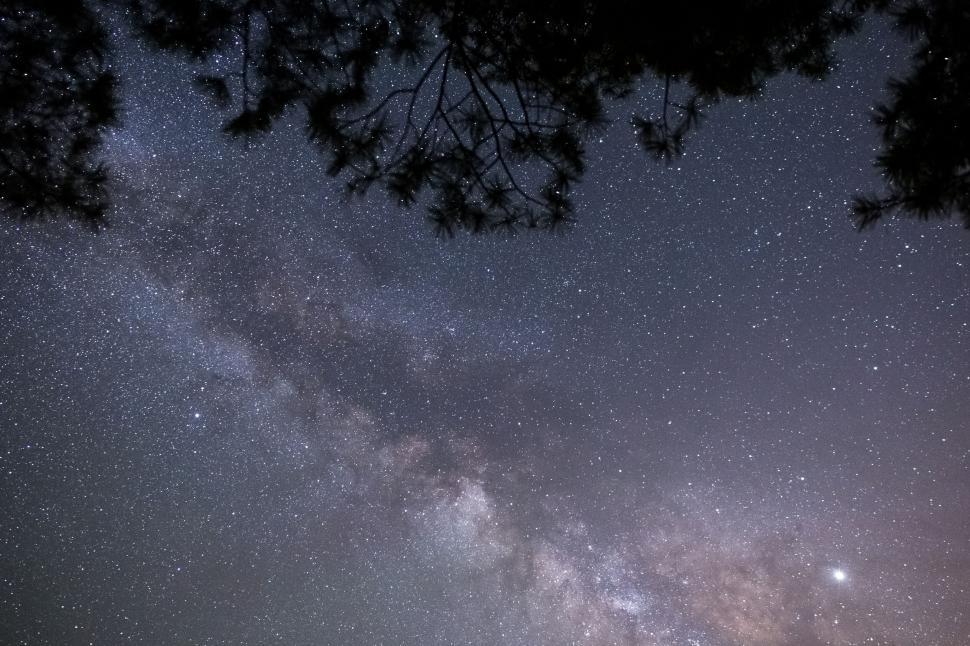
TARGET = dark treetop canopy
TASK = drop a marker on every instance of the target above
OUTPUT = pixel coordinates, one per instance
(484, 105)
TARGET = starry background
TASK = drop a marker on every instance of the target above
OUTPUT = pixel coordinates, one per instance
(251, 412)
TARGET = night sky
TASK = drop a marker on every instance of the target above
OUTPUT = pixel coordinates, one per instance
(252, 412)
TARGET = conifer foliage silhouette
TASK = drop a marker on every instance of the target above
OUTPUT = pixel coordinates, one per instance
(479, 110)
(925, 126)
(56, 98)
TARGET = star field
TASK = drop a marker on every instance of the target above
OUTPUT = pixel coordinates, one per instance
(253, 412)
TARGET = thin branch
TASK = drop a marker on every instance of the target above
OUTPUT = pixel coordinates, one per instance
(246, 58)
(412, 90)
(666, 102)
(498, 141)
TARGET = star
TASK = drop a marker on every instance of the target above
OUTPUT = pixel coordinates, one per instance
(839, 575)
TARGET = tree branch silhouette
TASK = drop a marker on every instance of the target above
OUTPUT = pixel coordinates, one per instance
(925, 126)
(477, 110)
(57, 96)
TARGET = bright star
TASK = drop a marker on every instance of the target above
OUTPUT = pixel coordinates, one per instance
(838, 575)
